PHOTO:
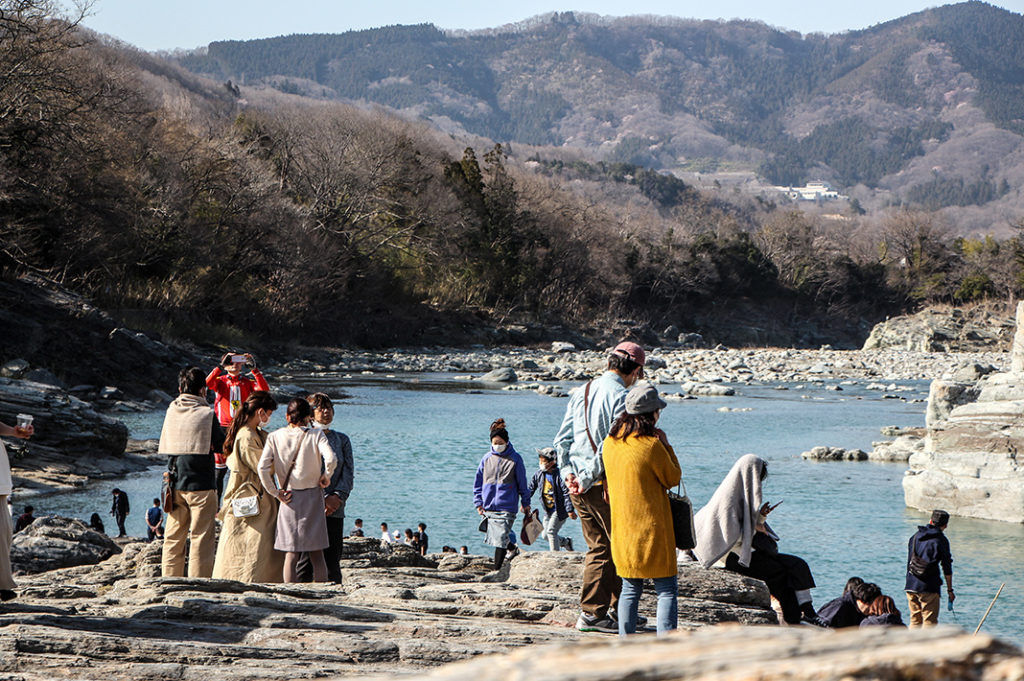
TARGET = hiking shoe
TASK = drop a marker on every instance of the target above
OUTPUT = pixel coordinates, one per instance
(641, 621)
(568, 544)
(605, 625)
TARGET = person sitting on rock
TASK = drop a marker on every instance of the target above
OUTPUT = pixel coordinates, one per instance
(463, 550)
(500, 489)
(385, 536)
(6, 527)
(850, 609)
(882, 612)
(25, 519)
(96, 523)
(232, 390)
(732, 527)
(189, 437)
(357, 531)
(410, 539)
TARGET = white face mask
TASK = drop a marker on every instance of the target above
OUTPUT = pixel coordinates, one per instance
(264, 424)
(498, 448)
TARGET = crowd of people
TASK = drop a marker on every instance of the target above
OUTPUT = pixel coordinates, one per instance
(282, 513)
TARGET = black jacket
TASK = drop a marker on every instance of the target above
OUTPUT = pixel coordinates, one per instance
(933, 546)
(839, 613)
(563, 505)
(120, 505)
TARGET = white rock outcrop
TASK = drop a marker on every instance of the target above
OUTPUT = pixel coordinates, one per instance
(971, 464)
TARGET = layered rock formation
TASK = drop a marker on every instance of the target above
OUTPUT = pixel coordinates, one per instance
(970, 464)
(396, 612)
(933, 330)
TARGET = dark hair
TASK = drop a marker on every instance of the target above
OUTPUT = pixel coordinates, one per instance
(866, 592)
(383, 524)
(115, 491)
(359, 521)
(498, 430)
(852, 582)
(422, 526)
(641, 425)
(319, 401)
(622, 364)
(258, 399)
(298, 411)
(191, 381)
(940, 518)
(29, 509)
(408, 532)
(156, 502)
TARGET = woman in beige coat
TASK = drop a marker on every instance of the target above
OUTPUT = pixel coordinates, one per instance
(246, 549)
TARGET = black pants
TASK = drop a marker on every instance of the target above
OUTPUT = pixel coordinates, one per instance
(332, 554)
(782, 573)
(119, 519)
(222, 473)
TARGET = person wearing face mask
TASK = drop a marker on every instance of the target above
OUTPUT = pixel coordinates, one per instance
(640, 466)
(500, 488)
(246, 550)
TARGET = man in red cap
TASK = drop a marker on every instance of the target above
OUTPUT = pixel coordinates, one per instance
(588, 418)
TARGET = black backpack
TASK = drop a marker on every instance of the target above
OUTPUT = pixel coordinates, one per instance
(917, 565)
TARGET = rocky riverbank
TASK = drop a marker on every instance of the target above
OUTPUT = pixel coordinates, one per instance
(395, 613)
(398, 613)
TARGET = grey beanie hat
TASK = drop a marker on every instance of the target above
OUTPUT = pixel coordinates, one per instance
(644, 399)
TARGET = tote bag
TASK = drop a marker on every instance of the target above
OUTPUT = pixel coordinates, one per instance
(532, 527)
(682, 519)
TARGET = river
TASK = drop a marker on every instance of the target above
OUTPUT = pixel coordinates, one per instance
(418, 438)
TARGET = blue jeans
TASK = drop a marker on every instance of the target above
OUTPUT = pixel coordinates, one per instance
(667, 589)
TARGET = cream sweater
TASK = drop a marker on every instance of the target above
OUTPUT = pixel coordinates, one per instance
(315, 457)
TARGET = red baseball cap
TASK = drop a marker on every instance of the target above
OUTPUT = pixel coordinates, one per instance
(632, 351)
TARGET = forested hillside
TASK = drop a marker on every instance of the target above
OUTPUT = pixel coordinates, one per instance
(208, 211)
(889, 110)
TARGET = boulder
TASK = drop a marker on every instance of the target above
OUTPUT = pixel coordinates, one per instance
(15, 368)
(559, 347)
(500, 375)
(706, 389)
(944, 396)
(54, 542)
(43, 376)
(763, 653)
(654, 362)
(835, 454)
(62, 422)
(939, 330)
(900, 449)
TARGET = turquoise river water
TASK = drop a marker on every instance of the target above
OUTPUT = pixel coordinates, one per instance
(417, 441)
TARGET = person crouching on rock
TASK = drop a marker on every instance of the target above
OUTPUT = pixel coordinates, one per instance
(499, 488)
(640, 467)
(732, 526)
(189, 437)
(290, 470)
(246, 551)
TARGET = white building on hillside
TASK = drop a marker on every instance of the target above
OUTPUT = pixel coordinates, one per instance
(812, 191)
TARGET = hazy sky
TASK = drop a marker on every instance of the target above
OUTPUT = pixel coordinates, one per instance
(169, 24)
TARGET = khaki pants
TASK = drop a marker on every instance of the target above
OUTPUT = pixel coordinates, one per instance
(601, 584)
(924, 609)
(192, 518)
(6, 536)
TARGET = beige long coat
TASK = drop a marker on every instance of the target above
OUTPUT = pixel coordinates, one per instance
(246, 549)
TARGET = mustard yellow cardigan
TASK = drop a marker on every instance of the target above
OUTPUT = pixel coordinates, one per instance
(639, 470)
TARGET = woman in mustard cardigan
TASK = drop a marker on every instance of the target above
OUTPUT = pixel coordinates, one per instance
(640, 467)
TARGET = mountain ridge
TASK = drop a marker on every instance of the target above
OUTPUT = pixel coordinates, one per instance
(883, 112)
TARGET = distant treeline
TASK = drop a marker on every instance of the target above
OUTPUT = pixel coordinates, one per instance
(151, 191)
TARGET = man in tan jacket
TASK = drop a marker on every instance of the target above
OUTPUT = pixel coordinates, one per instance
(189, 438)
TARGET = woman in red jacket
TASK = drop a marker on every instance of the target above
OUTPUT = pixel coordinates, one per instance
(232, 388)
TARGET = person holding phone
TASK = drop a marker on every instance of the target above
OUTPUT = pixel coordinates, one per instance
(231, 388)
(732, 531)
(22, 431)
